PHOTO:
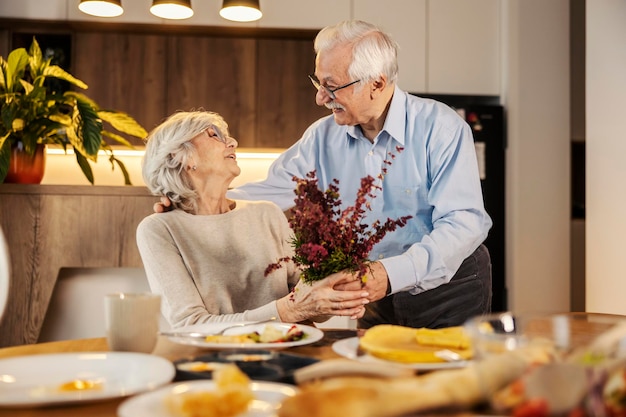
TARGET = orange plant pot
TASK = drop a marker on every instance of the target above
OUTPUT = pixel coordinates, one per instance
(25, 168)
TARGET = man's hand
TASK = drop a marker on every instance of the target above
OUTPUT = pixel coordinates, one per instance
(162, 206)
(376, 282)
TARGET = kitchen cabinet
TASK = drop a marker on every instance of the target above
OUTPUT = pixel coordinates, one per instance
(464, 47)
(255, 74)
(304, 14)
(446, 46)
(257, 82)
(125, 72)
(259, 85)
(406, 21)
(35, 9)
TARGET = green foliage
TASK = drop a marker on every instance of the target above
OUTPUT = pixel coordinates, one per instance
(33, 114)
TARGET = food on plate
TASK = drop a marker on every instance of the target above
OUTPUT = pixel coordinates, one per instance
(270, 334)
(199, 366)
(384, 397)
(232, 396)
(554, 386)
(599, 393)
(235, 338)
(248, 357)
(449, 337)
(81, 385)
(330, 368)
(410, 345)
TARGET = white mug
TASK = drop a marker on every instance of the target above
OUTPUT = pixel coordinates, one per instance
(132, 321)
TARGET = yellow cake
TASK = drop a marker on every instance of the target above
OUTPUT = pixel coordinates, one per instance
(410, 345)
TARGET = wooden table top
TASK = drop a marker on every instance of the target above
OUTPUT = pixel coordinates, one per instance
(164, 348)
(586, 327)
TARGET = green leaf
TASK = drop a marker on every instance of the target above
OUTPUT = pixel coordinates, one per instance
(58, 72)
(90, 125)
(3, 81)
(82, 97)
(41, 131)
(123, 122)
(5, 156)
(36, 58)
(28, 87)
(118, 139)
(112, 158)
(16, 64)
(3, 139)
(85, 167)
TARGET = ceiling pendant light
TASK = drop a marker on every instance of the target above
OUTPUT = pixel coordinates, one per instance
(101, 8)
(241, 10)
(172, 9)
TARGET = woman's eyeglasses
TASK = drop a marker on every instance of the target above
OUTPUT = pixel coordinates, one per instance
(215, 133)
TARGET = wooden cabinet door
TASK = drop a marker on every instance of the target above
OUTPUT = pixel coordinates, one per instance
(124, 71)
(285, 96)
(215, 74)
(259, 85)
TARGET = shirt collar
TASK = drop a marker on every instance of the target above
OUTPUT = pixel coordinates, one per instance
(395, 122)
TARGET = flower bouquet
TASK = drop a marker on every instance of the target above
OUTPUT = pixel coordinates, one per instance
(328, 240)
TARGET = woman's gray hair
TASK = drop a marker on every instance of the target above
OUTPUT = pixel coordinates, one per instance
(375, 53)
(169, 152)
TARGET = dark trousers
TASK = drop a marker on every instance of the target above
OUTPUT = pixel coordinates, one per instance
(467, 294)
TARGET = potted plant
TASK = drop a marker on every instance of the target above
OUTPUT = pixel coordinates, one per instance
(33, 114)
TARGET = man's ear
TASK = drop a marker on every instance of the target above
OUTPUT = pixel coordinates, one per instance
(378, 86)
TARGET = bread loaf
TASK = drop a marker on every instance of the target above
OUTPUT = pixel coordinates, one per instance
(374, 397)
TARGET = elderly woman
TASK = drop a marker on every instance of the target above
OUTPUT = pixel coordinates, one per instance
(207, 257)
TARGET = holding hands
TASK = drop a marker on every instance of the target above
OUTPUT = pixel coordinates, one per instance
(376, 282)
(321, 299)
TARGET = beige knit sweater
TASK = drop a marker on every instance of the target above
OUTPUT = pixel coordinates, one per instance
(210, 268)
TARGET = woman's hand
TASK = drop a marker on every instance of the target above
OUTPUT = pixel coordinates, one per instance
(320, 298)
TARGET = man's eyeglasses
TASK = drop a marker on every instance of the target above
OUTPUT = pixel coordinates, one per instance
(330, 91)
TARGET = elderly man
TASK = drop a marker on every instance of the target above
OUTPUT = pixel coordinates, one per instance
(434, 272)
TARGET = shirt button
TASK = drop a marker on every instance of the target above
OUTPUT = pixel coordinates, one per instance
(407, 191)
(370, 153)
(381, 256)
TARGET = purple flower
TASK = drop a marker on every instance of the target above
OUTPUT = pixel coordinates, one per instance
(327, 240)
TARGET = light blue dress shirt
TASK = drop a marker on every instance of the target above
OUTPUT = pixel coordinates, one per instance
(435, 179)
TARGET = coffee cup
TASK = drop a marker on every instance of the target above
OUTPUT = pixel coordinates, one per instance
(132, 321)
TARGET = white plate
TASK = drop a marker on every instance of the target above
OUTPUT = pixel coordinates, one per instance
(348, 349)
(32, 381)
(268, 397)
(313, 334)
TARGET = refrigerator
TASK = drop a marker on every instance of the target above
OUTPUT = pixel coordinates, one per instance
(485, 116)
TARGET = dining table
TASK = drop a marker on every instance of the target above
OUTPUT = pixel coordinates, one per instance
(164, 348)
(588, 326)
